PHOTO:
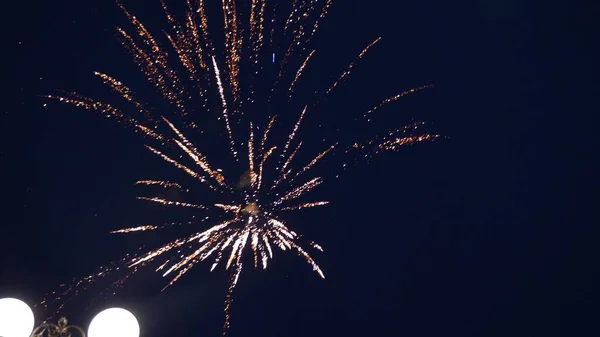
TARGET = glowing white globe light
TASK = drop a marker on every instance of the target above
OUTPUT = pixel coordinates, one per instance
(114, 322)
(16, 318)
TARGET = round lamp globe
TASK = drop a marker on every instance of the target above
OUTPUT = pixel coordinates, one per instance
(114, 322)
(16, 318)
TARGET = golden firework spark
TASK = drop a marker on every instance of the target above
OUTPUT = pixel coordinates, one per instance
(249, 210)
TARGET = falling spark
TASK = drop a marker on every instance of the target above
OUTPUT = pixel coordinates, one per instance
(321, 17)
(393, 145)
(351, 66)
(315, 160)
(266, 134)
(295, 193)
(224, 103)
(397, 97)
(299, 72)
(191, 151)
(306, 205)
(135, 229)
(262, 164)
(125, 93)
(290, 158)
(161, 183)
(293, 134)
(169, 202)
(233, 44)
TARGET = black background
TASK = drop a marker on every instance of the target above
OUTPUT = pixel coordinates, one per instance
(482, 234)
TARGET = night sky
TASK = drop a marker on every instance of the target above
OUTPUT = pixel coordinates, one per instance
(479, 234)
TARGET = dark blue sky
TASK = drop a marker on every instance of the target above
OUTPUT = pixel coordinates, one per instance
(476, 235)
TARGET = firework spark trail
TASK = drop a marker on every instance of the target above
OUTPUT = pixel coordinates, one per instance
(289, 160)
(191, 260)
(395, 98)
(309, 259)
(229, 298)
(157, 252)
(181, 166)
(165, 184)
(299, 73)
(266, 134)
(281, 241)
(149, 68)
(106, 110)
(80, 285)
(285, 149)
(145, 228)
(252, 173)
(286, 174)
(234, 250)
(301, 10)
(170, 202)
(262, 164)
(395, 144)
(268, 245)
(184, 57)
(263, 255)
(90, 104)
(162, 266)
(186, 43)
(159, 54)
(303, 15)
(255, 248)
(273, 20)
(286, 56)
(314, 161)
(180, 44)
(135, 229)
(297, 34)
(351, 66)
(202, 236)
(395, 140)
(188, 259)
(204, 25)
(290, 18)
(293, 134)
(224, 105)
(170, 19)
(257, 19)
(253, 20)
(125, 93)
(153, 66)
(306, 205)
(233, 43)
(295, 193)
(315, 246)
(198, 157)
(199, 160)
(228, 207)
(193, 29)
(217, 260)
(324, 12)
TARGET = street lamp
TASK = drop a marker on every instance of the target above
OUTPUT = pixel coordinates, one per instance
(16, 320)
(114, 322)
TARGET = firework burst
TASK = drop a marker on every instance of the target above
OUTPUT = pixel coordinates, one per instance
(261, 43)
